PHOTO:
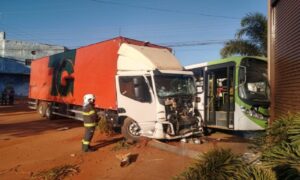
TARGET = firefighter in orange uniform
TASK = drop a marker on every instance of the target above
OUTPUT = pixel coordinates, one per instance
(90, 120)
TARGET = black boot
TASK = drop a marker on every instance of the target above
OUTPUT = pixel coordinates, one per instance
(85, 147)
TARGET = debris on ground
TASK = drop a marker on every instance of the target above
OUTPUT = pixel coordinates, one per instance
(63, 128)
(126, 159)
(72, 155)
(183, 140)
(57, 173)
(251, 158)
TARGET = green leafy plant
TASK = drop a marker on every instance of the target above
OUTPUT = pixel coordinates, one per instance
(259, 173)
(223, 164)
(282, 151)
(294, 130)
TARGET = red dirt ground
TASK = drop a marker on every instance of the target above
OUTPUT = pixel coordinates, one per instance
(29, 144)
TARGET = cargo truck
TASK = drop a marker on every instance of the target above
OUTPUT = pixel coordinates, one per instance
(140, 87)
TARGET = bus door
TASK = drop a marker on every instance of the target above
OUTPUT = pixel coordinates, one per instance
(219, 96)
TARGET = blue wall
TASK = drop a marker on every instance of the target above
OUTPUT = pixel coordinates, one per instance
(20, 83)
(14, 74)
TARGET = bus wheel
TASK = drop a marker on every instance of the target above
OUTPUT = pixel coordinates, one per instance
(131, 130)
(42, 108)
(49, 115)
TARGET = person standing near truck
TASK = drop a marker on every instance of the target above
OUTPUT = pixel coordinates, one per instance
(4, 97)
(90, 119)
(11, 96)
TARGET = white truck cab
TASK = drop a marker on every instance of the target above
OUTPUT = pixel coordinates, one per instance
(155, 95)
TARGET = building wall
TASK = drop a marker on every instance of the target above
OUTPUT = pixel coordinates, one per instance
(284, 56)
(22, 50)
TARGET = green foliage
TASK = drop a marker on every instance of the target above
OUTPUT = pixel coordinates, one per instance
(282, 149)
(240, 47)
(284, 129)
(220, 164)
(278, 131)
(259, 173)
(254, 28)
(282, 154)
(280, 146)
(294, 130)
(57, 173)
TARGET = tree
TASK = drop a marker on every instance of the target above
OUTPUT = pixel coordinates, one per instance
(251, 39)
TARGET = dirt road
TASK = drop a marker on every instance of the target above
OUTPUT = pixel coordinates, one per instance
(29, 144)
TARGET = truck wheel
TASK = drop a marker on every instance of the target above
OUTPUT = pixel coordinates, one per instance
(131, 130)
(49, 115)
(42, 108)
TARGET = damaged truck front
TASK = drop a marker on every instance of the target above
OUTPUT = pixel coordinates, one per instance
(140, 87)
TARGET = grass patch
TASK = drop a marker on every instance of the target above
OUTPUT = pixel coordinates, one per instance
(57, 173)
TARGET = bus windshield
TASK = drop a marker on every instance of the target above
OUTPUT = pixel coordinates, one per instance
(253, 81)
(173, 85)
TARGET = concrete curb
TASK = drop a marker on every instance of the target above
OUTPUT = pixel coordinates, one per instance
(174, 149)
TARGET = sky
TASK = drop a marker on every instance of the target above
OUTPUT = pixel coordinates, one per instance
(195, 29)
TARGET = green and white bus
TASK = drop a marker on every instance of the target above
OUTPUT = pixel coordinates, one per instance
(233, 93)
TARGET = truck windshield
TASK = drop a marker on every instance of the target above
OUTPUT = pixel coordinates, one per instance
(173, 85)
(255, 87)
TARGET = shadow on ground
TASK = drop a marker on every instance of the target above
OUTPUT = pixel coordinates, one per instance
(23, 129)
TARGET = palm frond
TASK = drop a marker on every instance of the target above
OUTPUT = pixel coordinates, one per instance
(254, 26)
(294, 130)
(260, 173)
(282, 154)
(216, 164)
(251, 39)
(240, 47)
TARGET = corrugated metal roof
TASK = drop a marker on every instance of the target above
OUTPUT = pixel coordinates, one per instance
(12, 66)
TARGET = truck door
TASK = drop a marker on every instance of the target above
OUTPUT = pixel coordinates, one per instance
(219, 96)
(135, 97)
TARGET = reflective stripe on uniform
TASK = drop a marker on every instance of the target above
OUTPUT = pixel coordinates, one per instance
(89, 124)
(88, 113)
(85, 142)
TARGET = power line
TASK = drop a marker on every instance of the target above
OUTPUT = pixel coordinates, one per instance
(193, 43)
(164, 10)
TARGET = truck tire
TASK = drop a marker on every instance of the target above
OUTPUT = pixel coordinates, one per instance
(42, 106)
(131, 130)
(48, 113)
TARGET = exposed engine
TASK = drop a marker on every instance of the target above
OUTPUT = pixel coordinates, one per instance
(180, 113)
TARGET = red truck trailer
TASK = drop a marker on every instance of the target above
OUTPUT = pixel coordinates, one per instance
(125, 76)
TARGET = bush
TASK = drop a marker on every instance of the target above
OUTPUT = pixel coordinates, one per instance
(259, 173)
(220, 164)
(283, 150)
(280, 147)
